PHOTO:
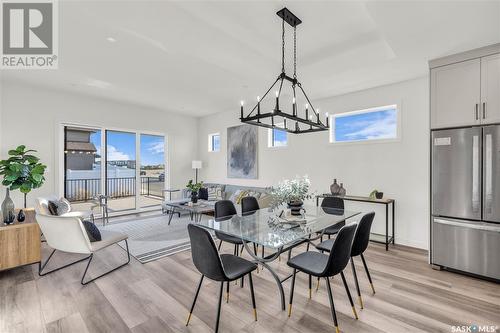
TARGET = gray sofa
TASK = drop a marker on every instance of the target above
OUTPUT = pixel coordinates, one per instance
(229, 192)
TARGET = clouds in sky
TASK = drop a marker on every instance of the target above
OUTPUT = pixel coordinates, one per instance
(156, 148)
(374, 125)
(117, 155)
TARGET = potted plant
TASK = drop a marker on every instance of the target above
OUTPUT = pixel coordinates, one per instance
(375, 194)
(194, 188)
(22, 171)
(292, 192)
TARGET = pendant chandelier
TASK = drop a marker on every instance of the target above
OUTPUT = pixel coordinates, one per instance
(295, 121)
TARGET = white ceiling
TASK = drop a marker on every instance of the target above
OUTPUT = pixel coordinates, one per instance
(199, 58)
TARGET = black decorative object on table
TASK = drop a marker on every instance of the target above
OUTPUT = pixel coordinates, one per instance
(334, 188)
(295, 207)
(379, 195)
(194, 197)
(8, 215)
(342, 190)
(21, 216)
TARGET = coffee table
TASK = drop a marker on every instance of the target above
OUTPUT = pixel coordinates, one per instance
(195, 211)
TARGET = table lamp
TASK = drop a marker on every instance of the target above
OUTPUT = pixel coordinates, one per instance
(196, 165)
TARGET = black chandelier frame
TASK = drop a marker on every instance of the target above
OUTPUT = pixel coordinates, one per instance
(312, 122)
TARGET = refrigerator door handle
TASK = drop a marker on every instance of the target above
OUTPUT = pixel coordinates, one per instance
(477, 226)
(488, 176)
(476, 201)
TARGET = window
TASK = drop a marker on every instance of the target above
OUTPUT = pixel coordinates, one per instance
(375, 124)
(277, 137)
(214, 142)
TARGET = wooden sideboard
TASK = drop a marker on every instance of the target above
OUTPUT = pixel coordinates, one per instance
(20, 242)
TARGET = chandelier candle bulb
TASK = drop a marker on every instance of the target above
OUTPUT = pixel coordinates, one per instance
(242, 109)
(277, 100)
(326, 114)
(258, 106)
(307, 111)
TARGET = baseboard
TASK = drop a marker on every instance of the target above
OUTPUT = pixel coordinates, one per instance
(412, 243)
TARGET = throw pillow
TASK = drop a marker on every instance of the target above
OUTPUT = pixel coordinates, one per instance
(63, 206)
(215, 193)
(241, 196)
(52, 206)
(203, 194)
(265, 200)
(92, 231)
(235, 195)
(212, 193)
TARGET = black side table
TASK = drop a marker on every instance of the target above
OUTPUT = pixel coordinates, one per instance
(374, 237)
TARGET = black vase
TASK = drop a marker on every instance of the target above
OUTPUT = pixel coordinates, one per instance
(194, 197)
(379, 195)
(295, 207)
(21, 216)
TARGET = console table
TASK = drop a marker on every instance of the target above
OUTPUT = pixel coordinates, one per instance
(374, 237)
(20, 242)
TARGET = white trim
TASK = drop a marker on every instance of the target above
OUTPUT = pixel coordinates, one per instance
(332, 117)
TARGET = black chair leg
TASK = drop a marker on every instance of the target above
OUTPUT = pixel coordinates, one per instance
(219, 306)
(220, 245)
(367, 273)
(332, 305)
(106, 273)
(227, 291)
(291, 293)
(349, 295)
(357, 283)
(194, 300)
(253, 295)
(42, 266)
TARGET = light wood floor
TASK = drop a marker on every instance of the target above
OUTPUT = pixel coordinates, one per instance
(155, 297)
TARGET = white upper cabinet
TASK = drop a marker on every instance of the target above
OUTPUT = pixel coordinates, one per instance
(455, 94)
(490, 89)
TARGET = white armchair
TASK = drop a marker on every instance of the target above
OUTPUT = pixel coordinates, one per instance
(67, 234)
(43, 208)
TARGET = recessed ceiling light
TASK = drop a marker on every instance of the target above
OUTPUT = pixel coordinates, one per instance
(111, 39)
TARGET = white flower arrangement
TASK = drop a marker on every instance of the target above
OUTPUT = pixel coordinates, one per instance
(295, 190)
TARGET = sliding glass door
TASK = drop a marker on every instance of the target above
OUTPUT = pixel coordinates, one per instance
(82, 165)
(152, 157)
(126, 166)
(121, 178)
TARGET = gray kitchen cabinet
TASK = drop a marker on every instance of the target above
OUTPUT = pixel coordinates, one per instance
(456, 94)
(490, 89)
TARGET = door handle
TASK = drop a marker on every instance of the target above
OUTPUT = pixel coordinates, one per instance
(477, 111)
(488, 172)
(477, 226)
(484, 110)
(475, 174)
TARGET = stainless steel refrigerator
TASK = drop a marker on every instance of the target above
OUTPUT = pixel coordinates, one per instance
(465, 182)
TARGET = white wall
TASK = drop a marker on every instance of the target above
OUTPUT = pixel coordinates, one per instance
(31, 115)
(399, 169)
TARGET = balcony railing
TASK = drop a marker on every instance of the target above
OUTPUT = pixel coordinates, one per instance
(86, 189)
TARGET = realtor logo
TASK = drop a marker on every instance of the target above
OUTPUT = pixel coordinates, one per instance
(29, 35)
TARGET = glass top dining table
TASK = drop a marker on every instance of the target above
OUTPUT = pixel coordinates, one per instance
(274, 229)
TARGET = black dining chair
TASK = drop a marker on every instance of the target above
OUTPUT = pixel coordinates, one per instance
(249, 205)
(224, 209)
(336, 203)
(221, 268)
(325, 266)
(359, 245)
